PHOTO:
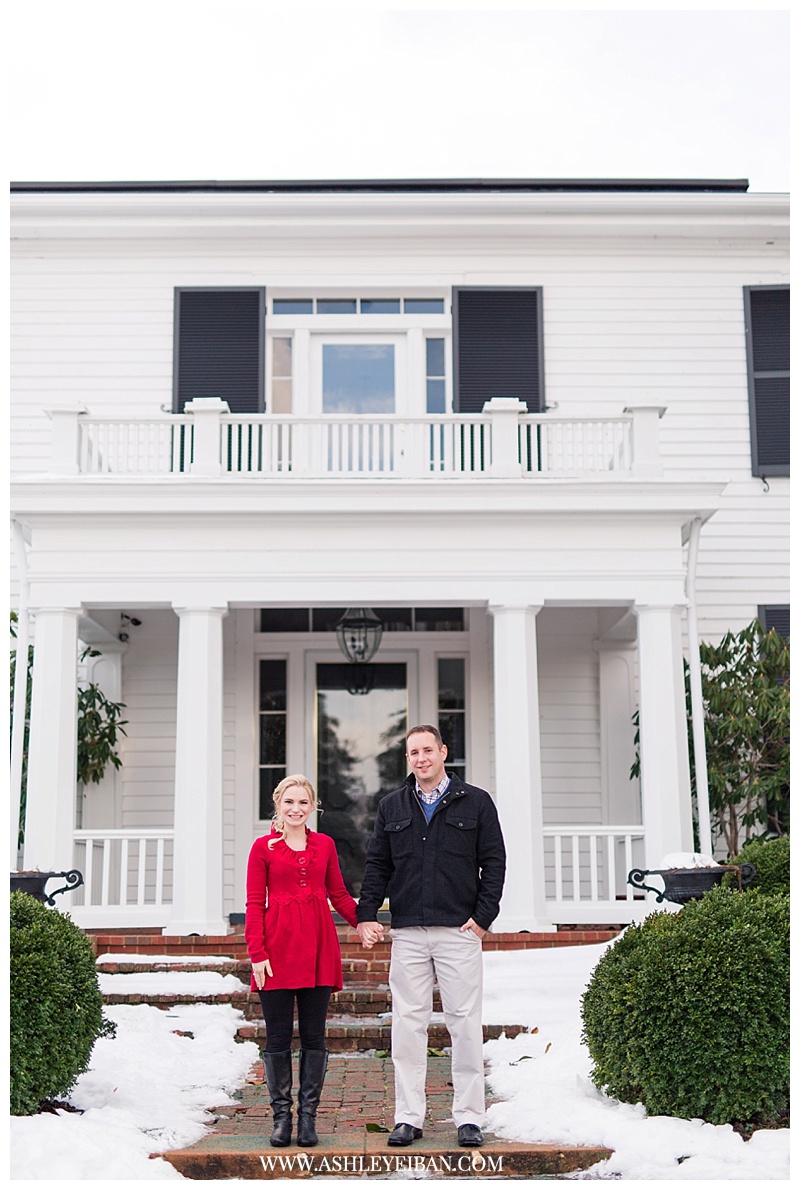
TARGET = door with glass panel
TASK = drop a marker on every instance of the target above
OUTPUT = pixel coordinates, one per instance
(360, 751)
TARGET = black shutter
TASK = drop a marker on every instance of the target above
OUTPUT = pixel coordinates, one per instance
(775, 616)
(497, 347)
(767, 325)
(219, 347)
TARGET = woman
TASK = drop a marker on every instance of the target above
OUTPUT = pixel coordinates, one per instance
(294, 949)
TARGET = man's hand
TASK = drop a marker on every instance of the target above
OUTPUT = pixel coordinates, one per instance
(260, 971)
(472, 925)
(369, 932)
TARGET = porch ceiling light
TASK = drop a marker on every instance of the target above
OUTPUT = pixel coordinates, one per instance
(359, 634)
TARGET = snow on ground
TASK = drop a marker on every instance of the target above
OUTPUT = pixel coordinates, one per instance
(149, 960)
(181, 983)
(150, 1089)
(548, 1097)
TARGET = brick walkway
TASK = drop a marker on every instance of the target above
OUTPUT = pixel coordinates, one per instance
(359, 1091)
(353, 1122)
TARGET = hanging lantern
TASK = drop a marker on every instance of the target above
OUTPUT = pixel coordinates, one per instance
(359, 634)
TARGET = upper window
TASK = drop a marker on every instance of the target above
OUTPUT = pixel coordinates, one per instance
(219, 347)
(767, 335)
(497, 347)
(341, 356)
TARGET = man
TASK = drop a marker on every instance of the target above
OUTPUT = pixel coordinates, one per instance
(438, 850)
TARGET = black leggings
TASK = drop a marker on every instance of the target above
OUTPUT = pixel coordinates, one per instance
(278, 1009)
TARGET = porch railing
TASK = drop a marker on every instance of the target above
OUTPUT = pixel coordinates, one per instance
(586, 871)
(502, 442)
(127, 874)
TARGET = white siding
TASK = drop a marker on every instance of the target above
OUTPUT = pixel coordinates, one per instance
(569, 709)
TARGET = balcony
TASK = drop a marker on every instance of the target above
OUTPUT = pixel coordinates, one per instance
(502, 442)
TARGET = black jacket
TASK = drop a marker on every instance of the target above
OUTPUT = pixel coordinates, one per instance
(439, 873)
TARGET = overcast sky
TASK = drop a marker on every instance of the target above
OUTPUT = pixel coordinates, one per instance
(247, 89)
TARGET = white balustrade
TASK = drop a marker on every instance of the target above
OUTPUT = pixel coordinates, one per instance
(126, 874)
(586, 873)
(117, 446)
(502, 442)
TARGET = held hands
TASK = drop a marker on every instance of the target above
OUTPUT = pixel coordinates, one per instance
(473, 926)
(260, 971)
(369, 932)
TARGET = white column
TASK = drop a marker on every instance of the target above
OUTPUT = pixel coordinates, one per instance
(197, 857)
(663, 743)
(518, 767)
(53, 746)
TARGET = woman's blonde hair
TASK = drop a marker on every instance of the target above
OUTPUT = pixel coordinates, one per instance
(280, 789)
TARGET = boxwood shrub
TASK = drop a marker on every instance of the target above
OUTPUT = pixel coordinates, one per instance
(771, 860)
(56, 1004)
(688, 1013)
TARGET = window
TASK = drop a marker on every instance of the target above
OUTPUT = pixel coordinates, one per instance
(271, 733)
(766, 310)
(281, 374)
(361, 355)
(435, 376)
(453, 712)
(497, 347)
(394, 619)
(219, 347)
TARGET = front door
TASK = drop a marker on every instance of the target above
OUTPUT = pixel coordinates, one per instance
(361, 721)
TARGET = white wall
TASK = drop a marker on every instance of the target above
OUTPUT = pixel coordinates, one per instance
(625, 322)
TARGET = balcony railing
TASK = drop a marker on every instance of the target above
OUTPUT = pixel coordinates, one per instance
(502, 442)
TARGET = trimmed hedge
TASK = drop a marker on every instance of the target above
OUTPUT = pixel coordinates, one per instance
(771, 860)
(688, 1013)
(56, 1004)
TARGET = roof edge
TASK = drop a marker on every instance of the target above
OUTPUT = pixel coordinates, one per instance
(402, 185)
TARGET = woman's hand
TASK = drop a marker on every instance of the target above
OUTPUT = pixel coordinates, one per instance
(260, 972)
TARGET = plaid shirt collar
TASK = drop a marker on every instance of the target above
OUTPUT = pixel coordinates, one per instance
(435, 793)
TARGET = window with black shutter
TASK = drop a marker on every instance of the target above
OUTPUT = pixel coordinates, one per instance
(767, 335)
(775, 615)
(219, 347)
(497, 347)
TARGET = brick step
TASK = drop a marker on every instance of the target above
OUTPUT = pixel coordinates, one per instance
(233, 945)
(355, 970)
(247, 1157)
(351, 1001)
(344, 1034)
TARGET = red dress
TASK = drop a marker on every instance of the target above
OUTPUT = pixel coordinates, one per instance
(288, 919)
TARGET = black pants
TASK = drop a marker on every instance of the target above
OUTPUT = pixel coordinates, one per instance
(312, 1010)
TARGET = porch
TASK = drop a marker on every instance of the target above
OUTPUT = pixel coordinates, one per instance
(560, 541)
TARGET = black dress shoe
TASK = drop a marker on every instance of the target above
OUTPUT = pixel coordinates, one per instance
(403, 1134)
(469, 1135)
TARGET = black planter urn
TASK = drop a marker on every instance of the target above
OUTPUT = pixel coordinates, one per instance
(34, 883)
(682, 885)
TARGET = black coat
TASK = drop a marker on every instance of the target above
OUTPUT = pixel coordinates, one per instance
(437, 873)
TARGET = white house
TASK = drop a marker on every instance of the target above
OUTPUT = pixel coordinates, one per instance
(539, 428)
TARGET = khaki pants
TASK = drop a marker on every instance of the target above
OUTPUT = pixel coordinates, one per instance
(419, 952)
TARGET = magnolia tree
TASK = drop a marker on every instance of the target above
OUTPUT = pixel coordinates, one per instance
(746, 699)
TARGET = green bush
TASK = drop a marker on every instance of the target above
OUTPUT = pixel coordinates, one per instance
(688, 1013)
(56, 1004)
(771, 860)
